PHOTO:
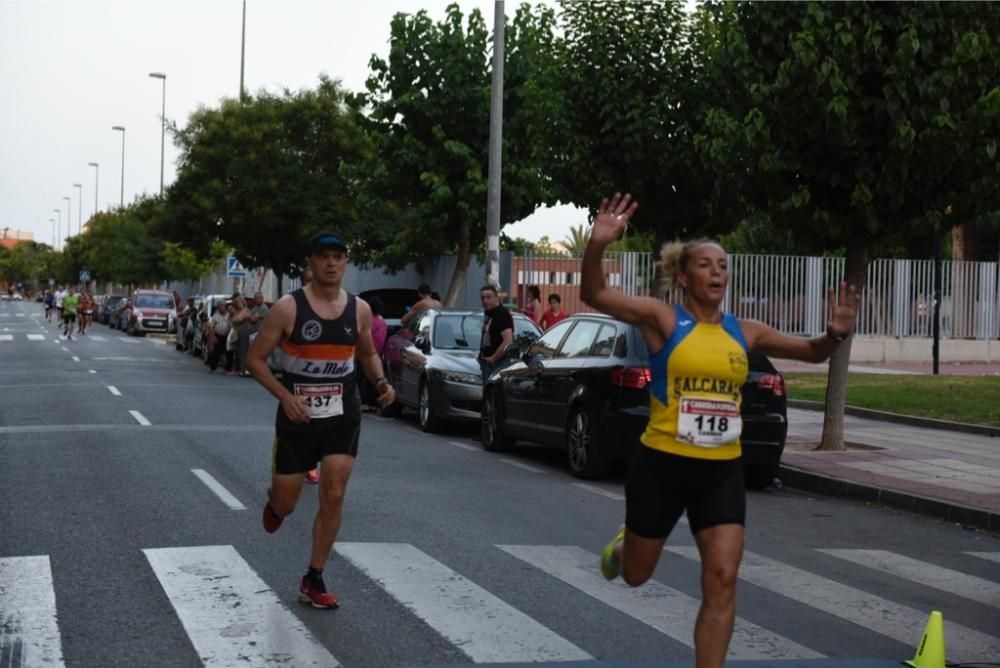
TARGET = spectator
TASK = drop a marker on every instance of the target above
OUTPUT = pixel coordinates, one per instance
(185, 325)
(259, 310)
(369, 395)
(498, 333)
(425, 302)
(533, 303)
(242, 326)
(555, 312)
(218, 326)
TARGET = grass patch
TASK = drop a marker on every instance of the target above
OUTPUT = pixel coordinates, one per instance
(972, 399)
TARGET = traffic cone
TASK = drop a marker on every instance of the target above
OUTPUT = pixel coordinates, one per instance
(930, 652)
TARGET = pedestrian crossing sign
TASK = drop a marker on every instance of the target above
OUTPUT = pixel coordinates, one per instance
(84, 276)
(235, 268)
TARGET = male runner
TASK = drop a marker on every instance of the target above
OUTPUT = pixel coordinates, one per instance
(322, 329)
(70, 303)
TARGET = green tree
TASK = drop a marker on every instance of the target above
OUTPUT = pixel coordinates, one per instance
(856, 124)
(184, 264)
(429, 108)
(576, 240)
(265, 174)
(120, 246)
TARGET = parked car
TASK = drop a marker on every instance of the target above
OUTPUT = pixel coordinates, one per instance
(395, 302)
(432, 364)
(150, 311)
(106, 307)
(584, 386)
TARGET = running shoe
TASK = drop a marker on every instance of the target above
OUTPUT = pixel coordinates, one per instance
(272, 520)
(609, 562)
(313, 592)
(312, 477)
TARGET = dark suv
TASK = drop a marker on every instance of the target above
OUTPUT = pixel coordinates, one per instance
(583, 386)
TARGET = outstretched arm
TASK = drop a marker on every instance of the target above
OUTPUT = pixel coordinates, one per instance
(651, 315)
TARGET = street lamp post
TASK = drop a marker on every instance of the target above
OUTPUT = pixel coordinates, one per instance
(163, 122)
(53, 221)
(122, 130)
(79, 208)
(69, 218)
(58, 227)
(97, 174)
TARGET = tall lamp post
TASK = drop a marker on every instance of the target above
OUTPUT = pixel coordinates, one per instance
(53, 221)
(122, 130)
(97, 174)
(69, 219)
(79, 208)
(58, 227)
(163, 122)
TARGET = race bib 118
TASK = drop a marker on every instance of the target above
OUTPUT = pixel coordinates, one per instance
(708, 422)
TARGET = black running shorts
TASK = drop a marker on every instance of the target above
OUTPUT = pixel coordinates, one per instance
(69, 317)
(661, 486)
(299, 451)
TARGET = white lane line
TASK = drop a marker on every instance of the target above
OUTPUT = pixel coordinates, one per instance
(465, 446)
(30, 629)
(65, 349)
(478, 623)
(944, 579)
(75, 358)
(38, 337)
(231, 616)
(91, 370)
(96, 338)
(524, 467)
(665, 609)
(140, 418)
(6, 337)
(856, 606)
(598, 490)
(989, 556)
(19, 315)
(114, 390)
(220, 491)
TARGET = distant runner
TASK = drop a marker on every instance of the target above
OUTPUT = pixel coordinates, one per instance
(69, 303)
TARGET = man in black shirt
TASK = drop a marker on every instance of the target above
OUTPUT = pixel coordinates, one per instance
(498, 333)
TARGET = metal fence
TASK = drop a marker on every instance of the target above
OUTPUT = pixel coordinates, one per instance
(790, 292)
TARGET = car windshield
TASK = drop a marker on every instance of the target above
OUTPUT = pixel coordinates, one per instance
(154, 301)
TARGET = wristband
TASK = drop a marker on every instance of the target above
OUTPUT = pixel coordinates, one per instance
(837, 338)
(380, 380)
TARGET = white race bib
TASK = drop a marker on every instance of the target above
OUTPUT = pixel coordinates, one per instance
(708, 422)
(322, 401)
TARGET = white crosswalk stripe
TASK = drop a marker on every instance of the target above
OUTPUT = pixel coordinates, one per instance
(665, 609)
(854, 605)
(231, 616)
(29, 631)
(94, 337)
(6, 337)
(989, 556)
(944, 579)
(481, 625)
(36, 337)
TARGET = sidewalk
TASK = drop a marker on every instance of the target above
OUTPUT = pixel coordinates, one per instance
(947, 474)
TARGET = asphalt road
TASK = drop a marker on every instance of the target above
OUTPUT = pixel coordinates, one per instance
(128, 544)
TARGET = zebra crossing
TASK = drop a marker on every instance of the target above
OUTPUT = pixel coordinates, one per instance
(231, 616)
(10, 338)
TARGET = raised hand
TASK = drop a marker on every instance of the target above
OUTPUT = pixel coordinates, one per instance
(843, 311)
(612, 218)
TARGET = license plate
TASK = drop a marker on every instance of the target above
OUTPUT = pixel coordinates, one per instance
(154, 323)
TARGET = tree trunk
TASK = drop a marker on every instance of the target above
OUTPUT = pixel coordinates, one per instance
(461, 266)
(836, 382)
(279, 275)
(963, 242)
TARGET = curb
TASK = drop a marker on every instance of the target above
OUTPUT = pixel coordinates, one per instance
(911, 420)
(808, 481)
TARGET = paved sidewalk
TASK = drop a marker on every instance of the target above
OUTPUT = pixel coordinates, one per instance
(952, 475)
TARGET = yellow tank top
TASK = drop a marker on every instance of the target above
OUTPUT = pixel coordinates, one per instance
(695, 390)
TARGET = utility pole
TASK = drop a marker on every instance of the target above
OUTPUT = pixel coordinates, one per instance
(243, 48)
(496, 143)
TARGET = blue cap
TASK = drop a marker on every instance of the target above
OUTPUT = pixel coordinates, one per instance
(322, 240)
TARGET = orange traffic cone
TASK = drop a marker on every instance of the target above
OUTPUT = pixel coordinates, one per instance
(930, 651)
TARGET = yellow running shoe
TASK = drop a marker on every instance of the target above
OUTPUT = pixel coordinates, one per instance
(609, 562)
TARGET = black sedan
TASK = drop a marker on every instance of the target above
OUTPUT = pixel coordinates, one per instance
(432, 364)
(583, 386)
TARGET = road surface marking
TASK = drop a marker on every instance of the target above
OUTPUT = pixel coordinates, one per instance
(665, 609)
(75, 358)
(478, 623)
(219, 490)
(114, 390)
(96, 338)
(30, 630)
(525, 467)
(989, 556)
(873, 612)
(140, 418)
(127, 339)
(65, 349)
(231, 616)
(37, 337)
(944, 579)
(465, 446)
(19, 315)
(6, 337)
(91, 370)
(598, 490)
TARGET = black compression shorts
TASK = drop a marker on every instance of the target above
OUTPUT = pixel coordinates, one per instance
(661, 486)
(299, 451)
(69, 317)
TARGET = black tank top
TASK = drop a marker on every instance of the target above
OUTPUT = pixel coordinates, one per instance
(318, 364)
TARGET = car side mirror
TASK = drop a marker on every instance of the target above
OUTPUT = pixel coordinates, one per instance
(422, 343)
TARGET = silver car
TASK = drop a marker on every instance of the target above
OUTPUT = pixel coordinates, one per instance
(432, 363)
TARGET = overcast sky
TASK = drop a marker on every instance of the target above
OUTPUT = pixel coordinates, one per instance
(71, 70)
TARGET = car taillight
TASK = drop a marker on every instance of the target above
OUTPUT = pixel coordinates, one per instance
(634, 377)
(772, 382)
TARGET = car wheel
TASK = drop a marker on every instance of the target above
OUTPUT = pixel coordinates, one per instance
(491, 425)
(583, 446)
(759, 476)
(425, 410)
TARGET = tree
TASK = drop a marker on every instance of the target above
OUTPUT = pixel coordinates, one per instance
(184, 264)
(576, 240)
(856, 124)
(429, 108)
(264, 174)
(120, 246)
